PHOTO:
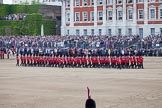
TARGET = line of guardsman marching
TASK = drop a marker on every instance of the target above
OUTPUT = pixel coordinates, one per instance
(82, 62)
(2, 54)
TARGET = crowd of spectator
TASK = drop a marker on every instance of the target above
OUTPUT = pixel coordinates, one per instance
(19, 16)
(84, 45)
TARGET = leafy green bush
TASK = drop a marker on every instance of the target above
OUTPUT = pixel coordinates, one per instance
(30, 26)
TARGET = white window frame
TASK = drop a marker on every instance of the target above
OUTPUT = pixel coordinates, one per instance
(160, 16)
(150, 14)
(67, 18)
(128, 17)
(92, 2)
(109, 17)
(139, 14)
(85, 31)
(85, 16)
(128, 1)
(100, 2)
(77, 32)
(92, 15)
(152, 32)
(92, 32)
(119, 1)
(152, 1)
(110, 32)
(68, 32)
(67, 3)
(119, 29)
(118, 16)
(100, 32)
(160, 31)
(77, 2)
(85, 3)
(129, 29)
(140, 32)
(109, 2)
(76, 20)
(99, 15)
(140, 1)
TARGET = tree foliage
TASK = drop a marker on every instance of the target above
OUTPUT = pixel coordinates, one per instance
(31, 25)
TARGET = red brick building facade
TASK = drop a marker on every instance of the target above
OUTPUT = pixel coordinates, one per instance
(111, 17)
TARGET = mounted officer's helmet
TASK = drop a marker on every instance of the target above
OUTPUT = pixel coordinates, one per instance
(90, 103)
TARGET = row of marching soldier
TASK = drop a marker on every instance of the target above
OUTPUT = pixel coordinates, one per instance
(121, 62)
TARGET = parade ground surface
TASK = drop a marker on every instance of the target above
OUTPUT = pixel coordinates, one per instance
(46, 87)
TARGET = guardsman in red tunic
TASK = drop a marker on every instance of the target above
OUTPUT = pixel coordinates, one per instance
(3, 54)
(50, 61)
(122, 61)
(0, 55)
(97, 62)
(107, 62)
(89, 64)
(30, 60)
(84, 61)
(27, 58)
(66, 61)
(113, 62)
(21, 60)
(78, 62)
(17, 60)
(81, 61)
(41, 61)
(75, 62)
(72, 61)
(137, 62)
(134, 62)
(93, 61)
(24, 60)
(61, 62)
(47, 60)
(101, 60)
(53, 61)
(127, 62)
(131, 62)
(118, 60)
(35, 61)
(44, 61)
(141, 62)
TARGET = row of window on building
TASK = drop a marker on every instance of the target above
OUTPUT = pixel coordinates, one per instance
(100, 2)
(52, 0)
(119, 31)
(152, 14)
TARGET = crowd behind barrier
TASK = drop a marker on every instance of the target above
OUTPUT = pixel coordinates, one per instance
(81, 45)
(19, 16)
